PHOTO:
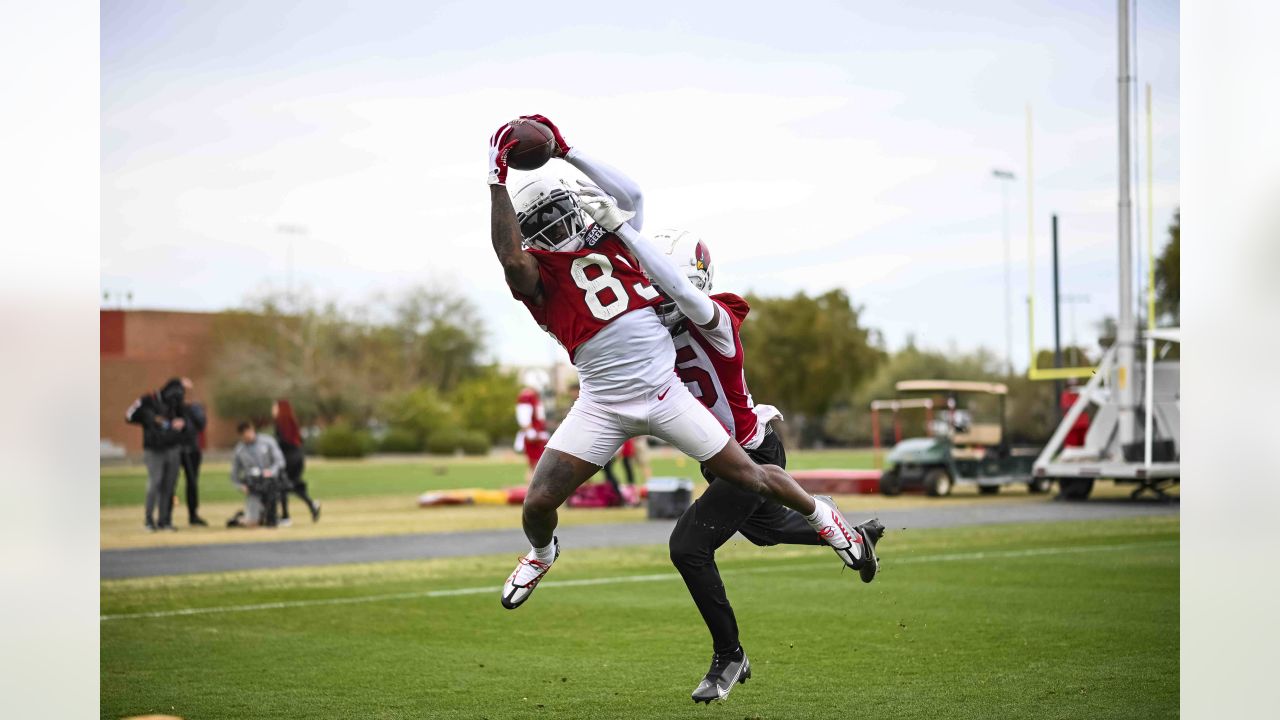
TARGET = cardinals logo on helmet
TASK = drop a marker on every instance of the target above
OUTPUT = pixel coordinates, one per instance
(702, 257)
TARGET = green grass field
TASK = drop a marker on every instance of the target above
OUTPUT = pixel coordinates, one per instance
(415, 474)
(1061, 620)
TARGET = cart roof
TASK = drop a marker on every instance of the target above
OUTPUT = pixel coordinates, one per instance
(971, 386)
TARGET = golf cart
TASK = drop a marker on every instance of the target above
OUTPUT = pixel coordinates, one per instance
(955, 448)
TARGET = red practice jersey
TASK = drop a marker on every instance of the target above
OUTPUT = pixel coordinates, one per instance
(717, 380)
(537, 417)
(584, 290)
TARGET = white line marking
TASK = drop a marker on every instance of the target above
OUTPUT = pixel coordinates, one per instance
(422, 594)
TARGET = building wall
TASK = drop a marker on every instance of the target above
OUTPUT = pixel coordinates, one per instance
(139, 351)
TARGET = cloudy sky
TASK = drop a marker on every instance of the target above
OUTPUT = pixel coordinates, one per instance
(814, 145)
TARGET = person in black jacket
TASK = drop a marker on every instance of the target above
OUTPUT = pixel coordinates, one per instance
(192, 455)
(160, 415)
(289, 436)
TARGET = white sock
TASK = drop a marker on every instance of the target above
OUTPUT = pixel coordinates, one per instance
(818, 519)
(546, 554)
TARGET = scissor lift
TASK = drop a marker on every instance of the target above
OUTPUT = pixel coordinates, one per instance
(1152, 461)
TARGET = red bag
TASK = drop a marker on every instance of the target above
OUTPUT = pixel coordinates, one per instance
(594, 495)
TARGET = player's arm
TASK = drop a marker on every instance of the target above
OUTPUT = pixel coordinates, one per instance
(613, 181)
(609, 178)
(695, 304)
(520, 268)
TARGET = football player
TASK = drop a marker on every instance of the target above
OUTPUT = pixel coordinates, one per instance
(532, 438)
(709, 359)
(582, 284)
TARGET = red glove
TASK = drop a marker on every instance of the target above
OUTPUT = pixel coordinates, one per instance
(562, 147)
(499, 146)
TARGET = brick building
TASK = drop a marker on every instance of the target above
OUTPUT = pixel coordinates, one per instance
(139, 351)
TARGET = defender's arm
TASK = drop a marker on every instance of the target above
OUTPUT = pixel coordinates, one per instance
(695, 304)
(613, 181)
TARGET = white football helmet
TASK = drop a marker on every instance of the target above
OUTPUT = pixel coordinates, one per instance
(690, 255)
(549, 214)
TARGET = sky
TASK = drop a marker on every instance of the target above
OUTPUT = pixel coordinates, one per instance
(813, 145)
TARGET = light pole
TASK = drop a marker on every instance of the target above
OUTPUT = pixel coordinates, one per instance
(1008, 177)
(290, 231)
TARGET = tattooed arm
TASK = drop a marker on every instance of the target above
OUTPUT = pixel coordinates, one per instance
(519, 266)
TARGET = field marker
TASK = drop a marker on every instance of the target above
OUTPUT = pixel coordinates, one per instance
(619, 580)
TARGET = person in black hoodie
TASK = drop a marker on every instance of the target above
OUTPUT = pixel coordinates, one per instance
(289, 436)
(192, 456)
(160, 415)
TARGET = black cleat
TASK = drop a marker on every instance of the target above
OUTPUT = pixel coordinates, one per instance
(726, 671)
(871, 532)
(197, 521)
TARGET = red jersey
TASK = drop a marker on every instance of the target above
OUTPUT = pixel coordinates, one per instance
(584, 290)
(718, 380)
(537, 418)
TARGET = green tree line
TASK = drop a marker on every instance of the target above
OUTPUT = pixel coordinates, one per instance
(401, 373)
(409, 368)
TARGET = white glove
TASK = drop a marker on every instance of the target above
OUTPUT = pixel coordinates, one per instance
(499, 146)
(602, 207)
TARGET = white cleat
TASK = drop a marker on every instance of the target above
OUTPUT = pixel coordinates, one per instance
(525, 578)
(864, 539)
(842, 537)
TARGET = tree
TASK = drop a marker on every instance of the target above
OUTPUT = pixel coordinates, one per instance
(441, 335)
(422, 412)
(342, 362)
(1168, 290)
(486, 402)
(806, 353)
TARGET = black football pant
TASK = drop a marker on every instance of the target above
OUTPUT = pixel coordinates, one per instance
(709, 523)
(191, 459)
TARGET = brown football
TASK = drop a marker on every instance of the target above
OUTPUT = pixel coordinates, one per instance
(536, 147)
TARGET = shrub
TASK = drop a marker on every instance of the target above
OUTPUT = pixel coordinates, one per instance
(474, 442)
(340, 440)
(452, 441)
(444, 442)
(400, 440)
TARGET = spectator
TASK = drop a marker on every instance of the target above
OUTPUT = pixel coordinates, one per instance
(160, 415)
(531, 439)
(256, 466)
(290, 439)
(193, 455)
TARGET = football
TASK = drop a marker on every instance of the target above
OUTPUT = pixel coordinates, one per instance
(536, 147)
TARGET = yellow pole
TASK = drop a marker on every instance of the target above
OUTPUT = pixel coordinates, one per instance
(1151, 228)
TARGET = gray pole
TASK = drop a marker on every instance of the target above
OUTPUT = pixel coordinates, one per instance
(1125, 332)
